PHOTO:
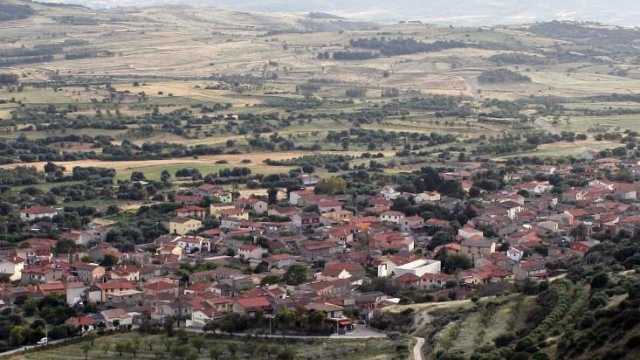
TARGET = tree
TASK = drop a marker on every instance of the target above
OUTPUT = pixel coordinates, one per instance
(169, 322)
(308, 168)
(51, 168)
(600, 281)
(135, 346)
(17, 335)
(86, 347)
(270, 350)
(454, 262)
(137, 176)
(64, 247)
(286, 354)
(285, 318)
(120, 348)
(296, 275)
(109, 261)
(215, 353)
(272, 194)
(198, 343)
(232, 348)
(210, 326)
(331, 186)
(440, 238)
(165, 176)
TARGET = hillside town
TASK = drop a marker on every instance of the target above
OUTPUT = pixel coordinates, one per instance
(337, 259)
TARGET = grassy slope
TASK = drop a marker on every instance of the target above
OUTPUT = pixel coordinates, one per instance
(464, 329)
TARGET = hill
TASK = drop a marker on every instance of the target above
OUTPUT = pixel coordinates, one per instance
(469, 12)
(561, 320)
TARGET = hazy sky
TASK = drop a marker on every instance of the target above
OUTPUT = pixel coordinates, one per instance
(624, 12)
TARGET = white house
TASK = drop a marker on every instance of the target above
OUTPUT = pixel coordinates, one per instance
(428, 196)
(116, 318)
(389, 193)
(37, 213)
(515, 254)
(535, 187)
(12, 267)
(467, 232)
(193, 243)
(251, 252)
(74, 292)
(418, 268)
(395, 217)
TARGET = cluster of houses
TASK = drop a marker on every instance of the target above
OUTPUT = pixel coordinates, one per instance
(517, 231)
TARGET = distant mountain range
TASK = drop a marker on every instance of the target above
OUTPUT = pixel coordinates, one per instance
(462, 12)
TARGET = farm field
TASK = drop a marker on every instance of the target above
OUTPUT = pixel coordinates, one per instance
(150, 345)
(576, 149)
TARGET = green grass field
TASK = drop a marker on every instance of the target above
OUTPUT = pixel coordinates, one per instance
(154, 172)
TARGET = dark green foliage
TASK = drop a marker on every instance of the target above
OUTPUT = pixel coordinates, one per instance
(517, 59)
(14, 12)
(393, 321)
(296, 275)
(394, 47)
(354, 55)
(500, 76)
(8, 79)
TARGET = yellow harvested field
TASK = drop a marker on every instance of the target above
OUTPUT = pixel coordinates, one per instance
(193, 90)
(233, 160)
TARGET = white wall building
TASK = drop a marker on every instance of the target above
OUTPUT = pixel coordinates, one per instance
(418, 268)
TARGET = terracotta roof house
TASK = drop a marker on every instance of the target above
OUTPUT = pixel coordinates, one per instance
(85, 322)
(407, 281)
(391, 240)
(37, 213)
(252, 305)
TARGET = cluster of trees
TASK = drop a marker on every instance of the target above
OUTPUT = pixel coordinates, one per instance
(50, 311)
(20, 175)
(87, 54)
(234, 172)
(8, 79)
(442, 105)
(37, 54)
(517, 59)
(143, 228)
(81, 192)
(500, 76)
(331, 186)
(10, 11)
(129, 151)
(600, 36)
(429, 179)
(313, 160)
(365, 136)
(286, 321)
(401, 46)
(350, 55)
(26, 150)
(504, 145)
(356, 92)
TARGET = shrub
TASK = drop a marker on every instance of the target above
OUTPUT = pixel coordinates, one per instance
(504, 340)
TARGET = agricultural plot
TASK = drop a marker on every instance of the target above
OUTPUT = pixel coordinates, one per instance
(149, 346)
